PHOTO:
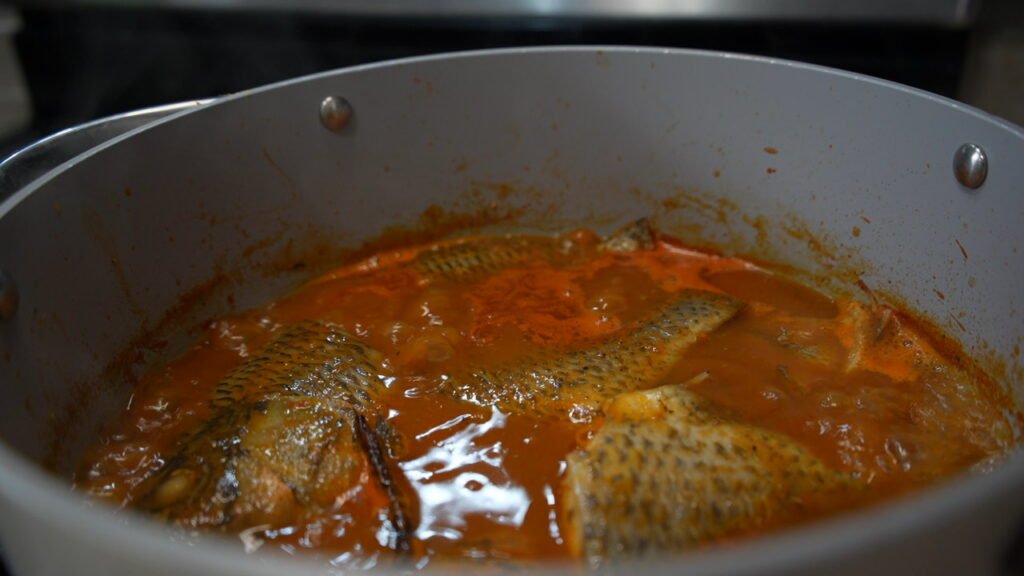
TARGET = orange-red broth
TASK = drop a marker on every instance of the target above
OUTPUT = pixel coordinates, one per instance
(484, 484)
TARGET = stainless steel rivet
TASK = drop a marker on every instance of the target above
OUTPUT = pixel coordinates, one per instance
(335, 112)
(8, 296)
(970, 165)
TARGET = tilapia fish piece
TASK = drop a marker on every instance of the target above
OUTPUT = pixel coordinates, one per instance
(284, 437)
(261, 464)
(311, 358)
(666, 472)
(475, 257)
(576, 382)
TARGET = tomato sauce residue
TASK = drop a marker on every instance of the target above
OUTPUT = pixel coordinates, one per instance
(862, 387)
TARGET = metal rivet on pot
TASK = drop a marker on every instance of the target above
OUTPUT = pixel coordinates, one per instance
(970, 165)
(335, 112)
(8, 296)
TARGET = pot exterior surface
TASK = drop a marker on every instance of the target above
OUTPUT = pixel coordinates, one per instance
(847, 178)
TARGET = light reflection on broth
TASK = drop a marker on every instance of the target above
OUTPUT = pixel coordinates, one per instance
(464, 475)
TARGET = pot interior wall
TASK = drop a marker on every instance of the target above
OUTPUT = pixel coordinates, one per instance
(844, 178)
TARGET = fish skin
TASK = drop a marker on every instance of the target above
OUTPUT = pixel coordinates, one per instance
(472, 258)
(667, 472)
(309, 358)
(476, 257)
(283, 438)
(552, 382)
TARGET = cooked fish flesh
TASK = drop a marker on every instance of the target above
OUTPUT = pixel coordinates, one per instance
(666, 472)
(874, 341)
(879, 341)
(575, 382)
(288, 435)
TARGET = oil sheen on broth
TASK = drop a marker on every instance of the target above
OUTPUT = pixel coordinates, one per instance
(521, 398)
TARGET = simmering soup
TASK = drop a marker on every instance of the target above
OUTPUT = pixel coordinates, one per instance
(518, 397)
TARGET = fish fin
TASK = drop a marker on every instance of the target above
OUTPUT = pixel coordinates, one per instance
(374, 446)
(637, 235)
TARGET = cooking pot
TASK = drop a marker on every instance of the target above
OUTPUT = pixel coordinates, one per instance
(862, 185)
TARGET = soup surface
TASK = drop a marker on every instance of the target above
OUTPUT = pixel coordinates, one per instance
(520, 398)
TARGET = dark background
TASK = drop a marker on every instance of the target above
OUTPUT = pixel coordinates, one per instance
(84, 63)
